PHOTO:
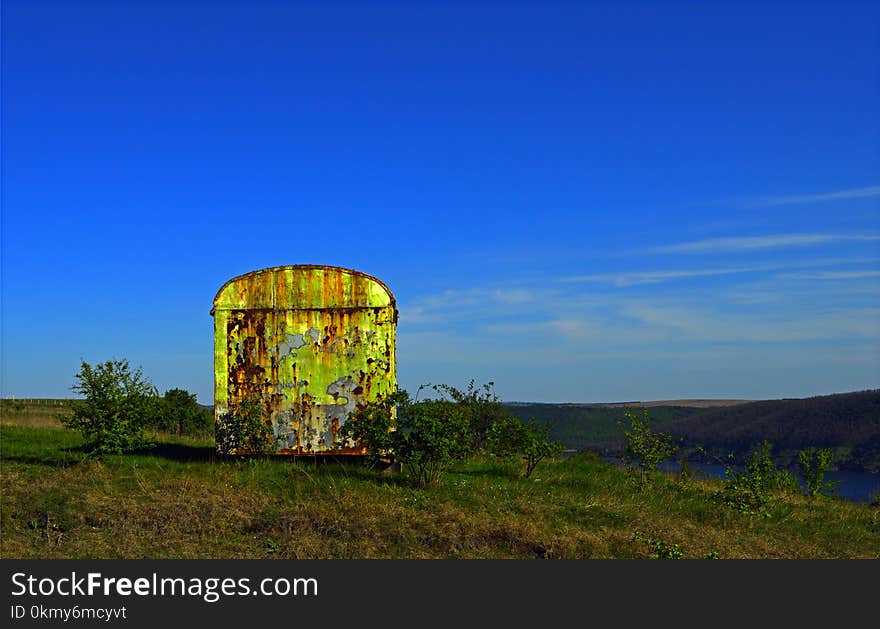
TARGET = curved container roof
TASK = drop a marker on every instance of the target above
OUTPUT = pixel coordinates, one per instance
(303, 287)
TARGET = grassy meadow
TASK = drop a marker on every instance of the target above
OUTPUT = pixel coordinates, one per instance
(178, 500)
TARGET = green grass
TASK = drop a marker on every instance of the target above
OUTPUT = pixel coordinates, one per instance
(179, 501)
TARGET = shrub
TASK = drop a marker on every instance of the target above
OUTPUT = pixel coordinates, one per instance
(645, 449)
(430, 436)
(425, 437)
(748, 491)
(481, 406)
(180, 413)
(508, 437)
(373, 427)
(117, 406)
(243, 430)
(660, 549)
(814, 463)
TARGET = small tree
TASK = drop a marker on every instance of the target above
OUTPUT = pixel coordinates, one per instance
(645, 449)
(181, 414)
(117, 405)
(481, 406)
(749, 491)
(430, 436)
(814, 463)
(509, 437)
(538, 446)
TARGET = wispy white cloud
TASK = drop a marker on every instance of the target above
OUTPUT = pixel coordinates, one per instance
(830, 275)
(568, 328)
(752, 243)
(512, 296)
(853, 193)
(843, 288)
(452, 305)
(687, 324)
(456, 298)
(558, 315)
(634, 278)
(416, 314)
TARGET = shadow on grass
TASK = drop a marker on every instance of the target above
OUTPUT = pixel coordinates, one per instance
(495, 471)
(71, 456)
(350, 466)
(355, 467)
(181, 452)
(58, 458)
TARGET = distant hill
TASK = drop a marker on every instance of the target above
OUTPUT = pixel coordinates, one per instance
(593, 426)
(847, 422)
(655, 403)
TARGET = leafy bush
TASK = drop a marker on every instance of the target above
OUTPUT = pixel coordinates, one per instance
(660, 549)
(178, 412)
(243, 430)
(373, 427)
(430, 436)
(748, 491)
(508, 437)
(481, 407)
(425, 437)
(117, 406)
(814, 463)
(645, 449)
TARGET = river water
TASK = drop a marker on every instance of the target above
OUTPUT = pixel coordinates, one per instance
(855, 486)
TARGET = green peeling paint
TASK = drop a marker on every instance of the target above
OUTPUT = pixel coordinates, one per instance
(310, 343)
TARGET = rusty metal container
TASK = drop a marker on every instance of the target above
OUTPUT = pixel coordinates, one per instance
(310, 344)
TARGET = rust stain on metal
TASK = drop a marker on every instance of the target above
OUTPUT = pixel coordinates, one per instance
(311, 344)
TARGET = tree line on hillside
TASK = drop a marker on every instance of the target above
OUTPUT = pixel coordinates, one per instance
(591, 427)
(848, 423)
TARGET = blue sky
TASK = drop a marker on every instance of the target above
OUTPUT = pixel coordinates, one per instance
(584, 201)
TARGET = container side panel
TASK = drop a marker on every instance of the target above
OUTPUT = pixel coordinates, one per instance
(221, 364)
(305, 346)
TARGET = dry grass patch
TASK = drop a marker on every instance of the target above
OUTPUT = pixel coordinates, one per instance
(177, 502)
